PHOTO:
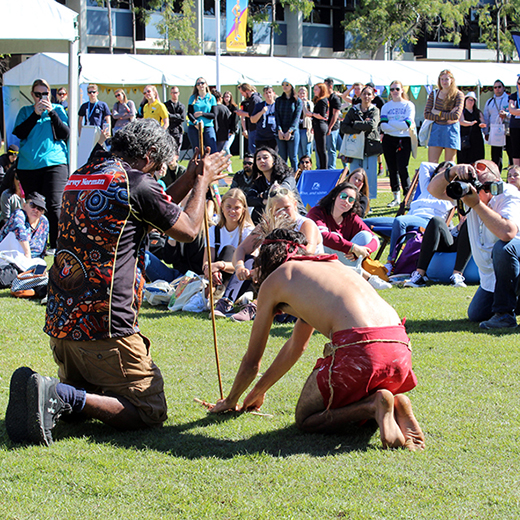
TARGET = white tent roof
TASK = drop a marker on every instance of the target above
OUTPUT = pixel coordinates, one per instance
(126, 69)
(30, 26)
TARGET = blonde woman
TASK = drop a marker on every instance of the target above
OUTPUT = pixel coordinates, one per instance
(444, 107)
(153, 108)
(123, 111)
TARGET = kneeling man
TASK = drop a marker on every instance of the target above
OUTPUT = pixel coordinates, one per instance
(367, 365)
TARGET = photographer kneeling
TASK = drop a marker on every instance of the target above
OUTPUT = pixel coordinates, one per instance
(494, 234)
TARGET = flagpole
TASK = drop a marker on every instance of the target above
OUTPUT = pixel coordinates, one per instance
(217, 41)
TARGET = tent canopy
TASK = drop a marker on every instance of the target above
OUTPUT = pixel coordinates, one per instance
(32, 25)
(126, 69)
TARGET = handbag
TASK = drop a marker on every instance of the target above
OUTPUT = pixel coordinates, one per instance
(185, 288)
(353, 145)
(29, 284)
(426, 127)
(375, 267)
(497, 133)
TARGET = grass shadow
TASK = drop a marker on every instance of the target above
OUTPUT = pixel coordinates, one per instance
(460, 325)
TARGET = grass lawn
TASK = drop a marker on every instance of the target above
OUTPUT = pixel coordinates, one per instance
(251, 467)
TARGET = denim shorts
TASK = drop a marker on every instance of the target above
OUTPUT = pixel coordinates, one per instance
(445, 136)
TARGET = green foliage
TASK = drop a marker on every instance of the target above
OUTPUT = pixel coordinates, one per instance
(509, 20)
(178, 28)
(378, 22)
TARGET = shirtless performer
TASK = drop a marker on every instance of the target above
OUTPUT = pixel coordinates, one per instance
(369, 352)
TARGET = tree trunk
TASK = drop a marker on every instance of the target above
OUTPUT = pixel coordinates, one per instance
(273, 21)
(110, 28)
(132, 9)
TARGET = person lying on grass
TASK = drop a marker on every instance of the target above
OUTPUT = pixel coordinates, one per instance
(367, 365)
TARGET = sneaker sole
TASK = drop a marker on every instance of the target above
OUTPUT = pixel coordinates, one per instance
(35, 406)
(16, 413)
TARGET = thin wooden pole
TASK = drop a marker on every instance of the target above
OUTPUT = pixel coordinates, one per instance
(210, 276)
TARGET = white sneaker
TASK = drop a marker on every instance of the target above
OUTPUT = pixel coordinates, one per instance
(416, 280)
(246, 298)
(378, 283)
(393, 204)
(457, 280)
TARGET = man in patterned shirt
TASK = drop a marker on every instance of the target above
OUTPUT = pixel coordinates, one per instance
(96, 283)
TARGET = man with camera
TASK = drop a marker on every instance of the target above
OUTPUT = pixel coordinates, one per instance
(494, 234)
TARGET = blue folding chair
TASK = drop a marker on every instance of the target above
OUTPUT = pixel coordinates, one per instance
(313, 185)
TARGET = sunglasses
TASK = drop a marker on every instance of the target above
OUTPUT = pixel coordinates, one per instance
(32, 205)
(201, 83)
(278, 192)
(498, 86)
(119, 94)
(12, 152)
(92, 91)
(62, 93)
(147, 92)
(394, 89)
(347, 197)
(248, 163)
(39, 95)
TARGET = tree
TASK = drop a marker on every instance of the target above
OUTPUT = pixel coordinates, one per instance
(179, 27)
(496, 21)
(101, 3)
(375, 23)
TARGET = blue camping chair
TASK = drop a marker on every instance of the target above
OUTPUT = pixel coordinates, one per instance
(313, 185)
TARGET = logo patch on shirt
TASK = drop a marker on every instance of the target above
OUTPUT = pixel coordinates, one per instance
(89, 182)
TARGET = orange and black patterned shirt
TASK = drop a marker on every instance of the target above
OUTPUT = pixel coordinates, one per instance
(97, 279)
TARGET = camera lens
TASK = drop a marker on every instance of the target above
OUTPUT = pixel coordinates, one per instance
(457, 189)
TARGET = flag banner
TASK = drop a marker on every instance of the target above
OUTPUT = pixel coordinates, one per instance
(429, 89)
(415, 91)
(236, 25)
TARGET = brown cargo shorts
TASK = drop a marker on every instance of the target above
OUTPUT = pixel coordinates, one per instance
(118, 367)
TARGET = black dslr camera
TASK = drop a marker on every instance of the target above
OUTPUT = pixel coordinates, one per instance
(458, 189)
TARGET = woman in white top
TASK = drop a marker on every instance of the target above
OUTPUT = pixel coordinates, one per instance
(397, 116)
(234, 225)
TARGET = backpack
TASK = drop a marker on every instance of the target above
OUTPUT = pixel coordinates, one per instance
(29, 284)
(407, 256)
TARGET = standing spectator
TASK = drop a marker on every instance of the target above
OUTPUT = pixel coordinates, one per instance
(444, 107)
(7, 160)
(333, 139)
(227, 99)
(177, 115)
(288, 109)
(365, 118)
(514, 126)
(320, 125)
(397, 116)
(222, 120)
(123, 111)
(252, 98)
(353, 94)
(305, 126)
(200, 107)
(496, 110)
(43, 130)
(93, 112)
(63, 98)
(471, 139)
(264, 118)
(154, 109)
(244, 178)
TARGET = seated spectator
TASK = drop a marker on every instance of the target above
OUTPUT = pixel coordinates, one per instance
(343, 230)
(269, 168)
(282, 205)
(359, 179)
(7, 160)
(513, 176)
(305, 164)
(12, 195)
(494, 235)
(438, 238)
(244, 178)
(174, 171)
(30, 228)
(233, 227)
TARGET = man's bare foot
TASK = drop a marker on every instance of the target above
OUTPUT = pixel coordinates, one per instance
(413, 435)
(389, 431)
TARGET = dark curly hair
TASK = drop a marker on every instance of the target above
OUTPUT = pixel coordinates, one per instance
(281, 170)
(144, 137)
(327, 202)
(273, 255)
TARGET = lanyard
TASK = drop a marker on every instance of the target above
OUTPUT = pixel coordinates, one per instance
(90, 112)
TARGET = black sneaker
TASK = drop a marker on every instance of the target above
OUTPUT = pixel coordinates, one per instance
(16, 413)
(44, 407)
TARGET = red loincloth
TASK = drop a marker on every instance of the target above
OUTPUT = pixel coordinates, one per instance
(361, 360)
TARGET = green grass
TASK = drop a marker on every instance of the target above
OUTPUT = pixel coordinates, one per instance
(250, 467)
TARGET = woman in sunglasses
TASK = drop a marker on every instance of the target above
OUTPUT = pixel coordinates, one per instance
(43, 130)
(123, 111)
(25, 231)
(344, 231)
(397, 117)
(199, 111)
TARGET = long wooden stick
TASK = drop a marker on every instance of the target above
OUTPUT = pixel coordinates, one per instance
(210, 276)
